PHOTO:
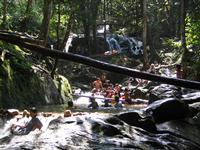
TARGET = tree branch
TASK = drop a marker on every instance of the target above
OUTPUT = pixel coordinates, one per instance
(17, 40)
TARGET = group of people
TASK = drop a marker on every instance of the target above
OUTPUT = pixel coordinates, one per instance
(113, 93)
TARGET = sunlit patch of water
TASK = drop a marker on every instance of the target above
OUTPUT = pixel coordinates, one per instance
(77, 132)
(83, 101)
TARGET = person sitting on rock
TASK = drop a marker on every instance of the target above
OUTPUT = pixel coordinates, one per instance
(93, 104)
(103, 79)
(179, 71)
(152, 69)
(117, 88)
(118, 104)
(127, 96)
(106, 103)
(33, 124)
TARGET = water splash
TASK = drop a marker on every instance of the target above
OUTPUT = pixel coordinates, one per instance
(89, 131)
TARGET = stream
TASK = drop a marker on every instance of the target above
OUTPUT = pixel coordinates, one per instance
(100, 130)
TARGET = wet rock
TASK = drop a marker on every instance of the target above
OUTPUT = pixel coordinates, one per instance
(5, 139)
(100, 132)
(196, 119)
(9, 113)
(183, 129)
(114, 120)
(195, 113)
(106, 129)
(139, 101)
(1, 122)
(47, 114)
(135, 119)
(163, 91)
(13, 112)
(167, 109)
(130, 118)
(139, 93)
(192, 98)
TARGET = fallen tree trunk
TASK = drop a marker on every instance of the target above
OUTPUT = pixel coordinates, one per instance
(17, 40)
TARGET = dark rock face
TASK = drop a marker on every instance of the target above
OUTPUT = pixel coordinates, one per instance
(134, 119)
(164, 91)
(138, 93)
(167, 109)
(97, 131)
(114, 120)
(106, 129)
(114, 125)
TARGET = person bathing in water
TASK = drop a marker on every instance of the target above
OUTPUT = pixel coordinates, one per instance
(93, 104)
(97, 85)
(33, 124)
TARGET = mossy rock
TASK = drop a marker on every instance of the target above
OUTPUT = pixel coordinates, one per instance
(64, 88)
(19, 89)
(22, 84)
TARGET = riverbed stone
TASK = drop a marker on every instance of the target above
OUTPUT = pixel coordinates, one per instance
(167, 109)
(135, 119)
(164, 91)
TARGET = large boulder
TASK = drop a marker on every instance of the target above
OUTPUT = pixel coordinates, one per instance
(167, 109)
(164, 91)
(139, 93)
(133, 118)
(55, 91)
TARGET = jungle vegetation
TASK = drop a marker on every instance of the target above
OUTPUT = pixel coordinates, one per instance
(164, 26)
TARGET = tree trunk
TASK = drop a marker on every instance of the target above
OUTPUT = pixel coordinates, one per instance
(27, 18)
(94, 9)
(183, 16)
(185, 55)
(145, 26)
(67, 32)
(5, 11)
(17, 40)
(47, 12)
(58, 41)
(58, 26)
(62, 46)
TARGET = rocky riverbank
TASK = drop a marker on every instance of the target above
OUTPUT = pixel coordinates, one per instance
(164, 124)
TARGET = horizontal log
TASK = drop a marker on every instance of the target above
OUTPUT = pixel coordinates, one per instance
(17, 40)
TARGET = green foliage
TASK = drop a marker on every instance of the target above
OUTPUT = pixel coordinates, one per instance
(196, 66)
(193, 68)
(193, 39)
(19, 57)
(20, 90)
(20, 87)
(172, 44)
(17, 13)
(193, 32)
